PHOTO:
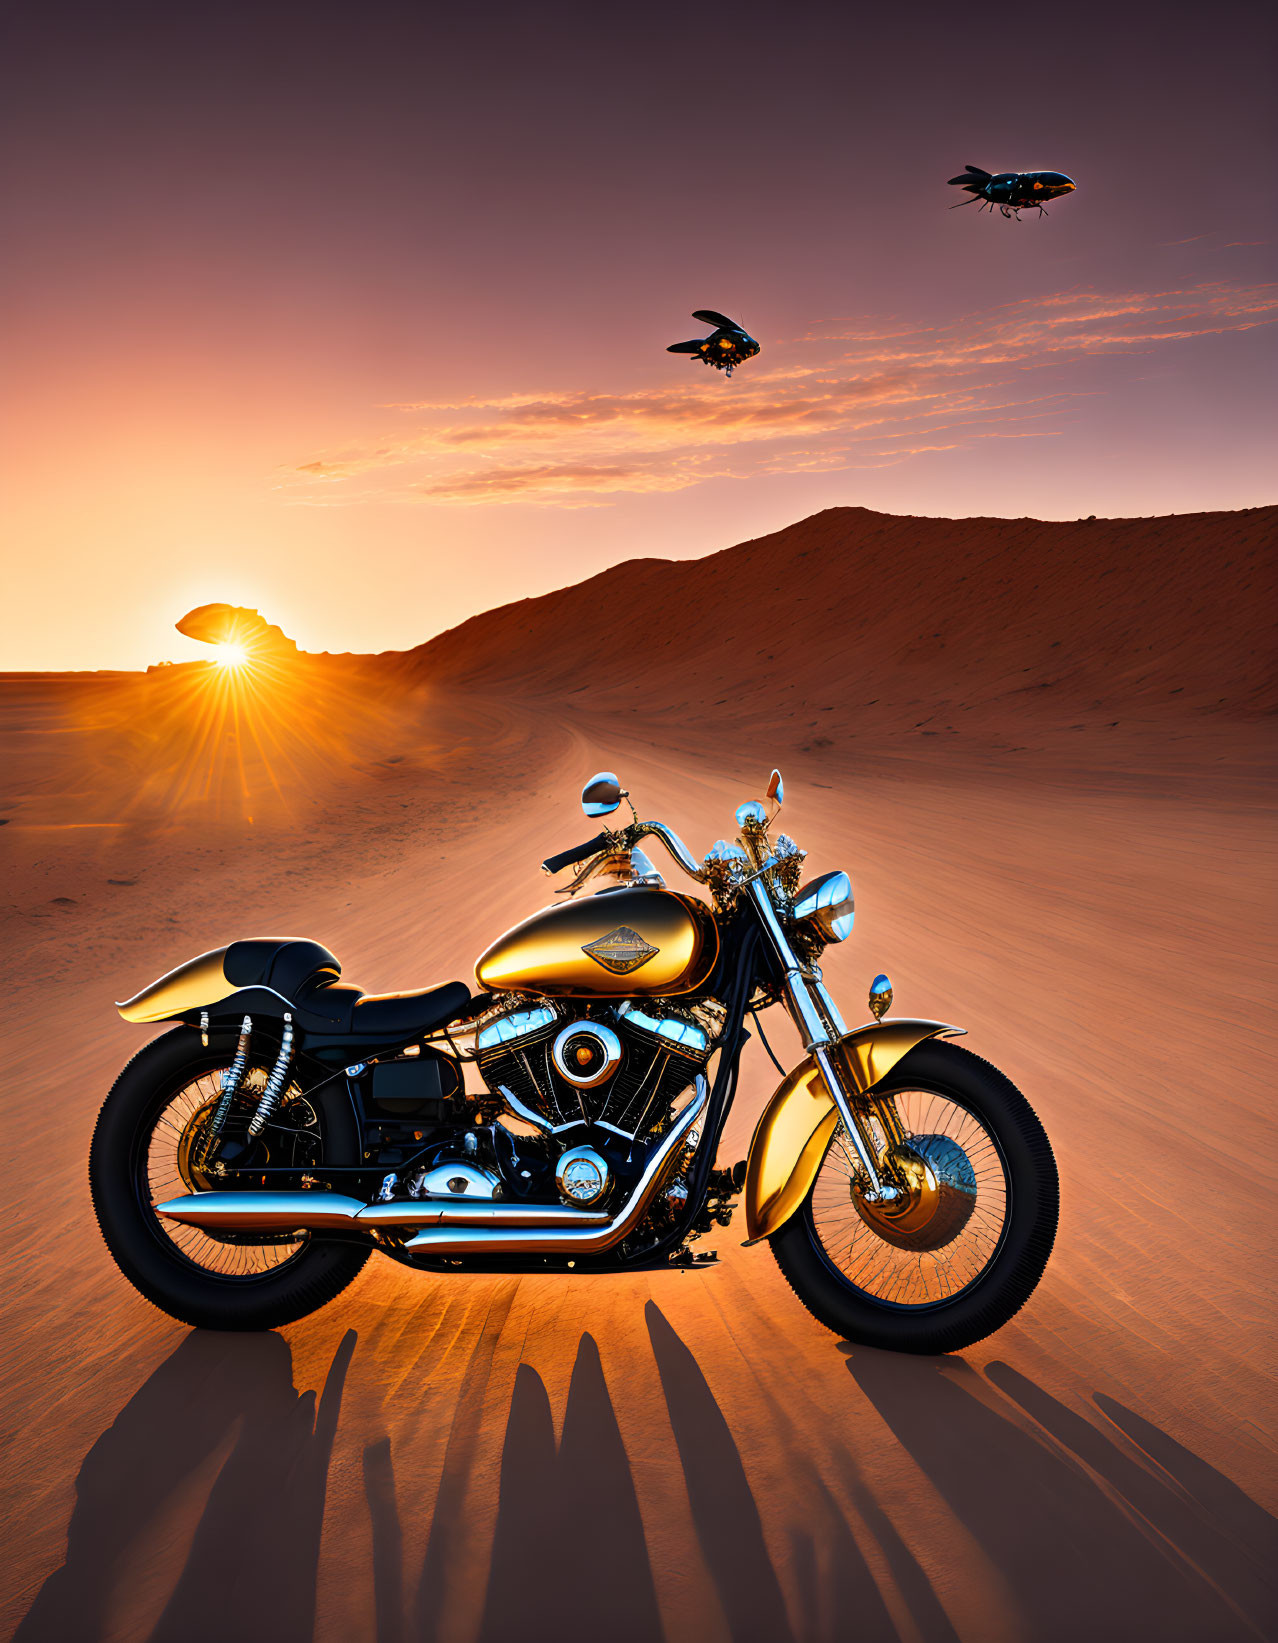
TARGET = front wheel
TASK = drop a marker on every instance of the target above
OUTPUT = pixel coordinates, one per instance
(150, 1144)
(964, 1245)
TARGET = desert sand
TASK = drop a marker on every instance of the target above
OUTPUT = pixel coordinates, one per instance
(1044, 753)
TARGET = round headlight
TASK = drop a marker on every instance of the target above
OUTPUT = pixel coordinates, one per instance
(827, 905)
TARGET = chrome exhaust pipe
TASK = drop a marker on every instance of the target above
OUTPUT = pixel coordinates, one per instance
(315, 1211)
(262, 1211)
(480, 1223)
(481, 1212)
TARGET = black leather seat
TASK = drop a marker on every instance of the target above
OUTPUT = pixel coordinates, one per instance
(400, 1015)
(273, 972)
(284, 963)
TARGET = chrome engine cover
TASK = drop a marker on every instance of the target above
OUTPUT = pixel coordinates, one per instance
(511, 1047)
(620, 1067)
(586, 1053)
(677, 1033)
(582, 1176)
(515, 1022)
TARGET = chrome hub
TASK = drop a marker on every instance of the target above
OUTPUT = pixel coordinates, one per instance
(936, 1198)
(201, 1173)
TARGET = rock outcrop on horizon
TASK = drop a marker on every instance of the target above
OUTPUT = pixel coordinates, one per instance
(237, 625)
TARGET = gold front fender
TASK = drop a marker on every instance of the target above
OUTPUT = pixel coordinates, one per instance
(796, 1127)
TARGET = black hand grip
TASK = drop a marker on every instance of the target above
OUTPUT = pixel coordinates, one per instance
(579, 852)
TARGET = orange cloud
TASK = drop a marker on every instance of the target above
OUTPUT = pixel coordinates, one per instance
(830, 396)
(550, 481)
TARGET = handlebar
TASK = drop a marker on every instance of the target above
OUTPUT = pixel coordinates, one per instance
(629, 836)
(578, 852)
(674, 844)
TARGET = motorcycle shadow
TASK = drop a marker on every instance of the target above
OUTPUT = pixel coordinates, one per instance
(1092, 1533)
(568, 1538)
(1102, 1530)
(255, 1551)
(581, 1495)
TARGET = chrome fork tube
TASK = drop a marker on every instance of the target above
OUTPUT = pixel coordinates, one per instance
(880, 1191)
(806, 1014)
(814, 1024)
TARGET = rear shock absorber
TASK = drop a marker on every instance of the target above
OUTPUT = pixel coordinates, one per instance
(275, 1083)
(232, 1078)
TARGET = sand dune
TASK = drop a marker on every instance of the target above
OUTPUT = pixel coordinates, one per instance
(689, 1456)
(974, 633)
(1139, 606)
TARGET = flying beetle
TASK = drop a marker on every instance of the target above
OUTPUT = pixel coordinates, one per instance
(725, 348)
(1012, 191)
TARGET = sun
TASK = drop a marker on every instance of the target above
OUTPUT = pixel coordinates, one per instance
(230, 655)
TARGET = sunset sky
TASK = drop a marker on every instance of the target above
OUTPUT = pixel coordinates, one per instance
(358, 314)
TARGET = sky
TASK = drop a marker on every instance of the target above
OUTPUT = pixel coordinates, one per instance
(358, 316)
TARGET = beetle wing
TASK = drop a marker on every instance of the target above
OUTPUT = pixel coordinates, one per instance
(713, 318)
(693, 347)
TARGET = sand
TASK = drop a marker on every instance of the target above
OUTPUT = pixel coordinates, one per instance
(689, 1455)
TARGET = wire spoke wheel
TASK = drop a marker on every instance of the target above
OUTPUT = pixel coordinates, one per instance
(963, 1183)
(959, 1247)
(181, 1157)
(154, 1140)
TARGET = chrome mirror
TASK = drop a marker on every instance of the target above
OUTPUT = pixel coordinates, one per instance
(601, 795)
(776, 789)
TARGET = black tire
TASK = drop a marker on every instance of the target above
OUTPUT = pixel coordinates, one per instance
(1003, 1286)
(149, 1259)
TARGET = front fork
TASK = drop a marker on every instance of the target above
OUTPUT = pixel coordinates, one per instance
(821, 1027)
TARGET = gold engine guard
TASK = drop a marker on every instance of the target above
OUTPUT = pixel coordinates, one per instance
(796, 1127)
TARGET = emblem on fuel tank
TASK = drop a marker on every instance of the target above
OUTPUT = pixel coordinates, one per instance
(621, 950)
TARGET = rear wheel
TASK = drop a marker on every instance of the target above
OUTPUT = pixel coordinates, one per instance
(150, 1144)
(963, 1248)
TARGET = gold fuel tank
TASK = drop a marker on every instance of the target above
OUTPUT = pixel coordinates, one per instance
(632, 943)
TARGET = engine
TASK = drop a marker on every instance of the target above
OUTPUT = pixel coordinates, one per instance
(617, 1067)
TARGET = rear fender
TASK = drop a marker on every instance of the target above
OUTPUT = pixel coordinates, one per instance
(799, 1122)
(195, 985)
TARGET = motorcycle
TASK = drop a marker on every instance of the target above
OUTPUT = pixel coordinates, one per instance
(566, 1117)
